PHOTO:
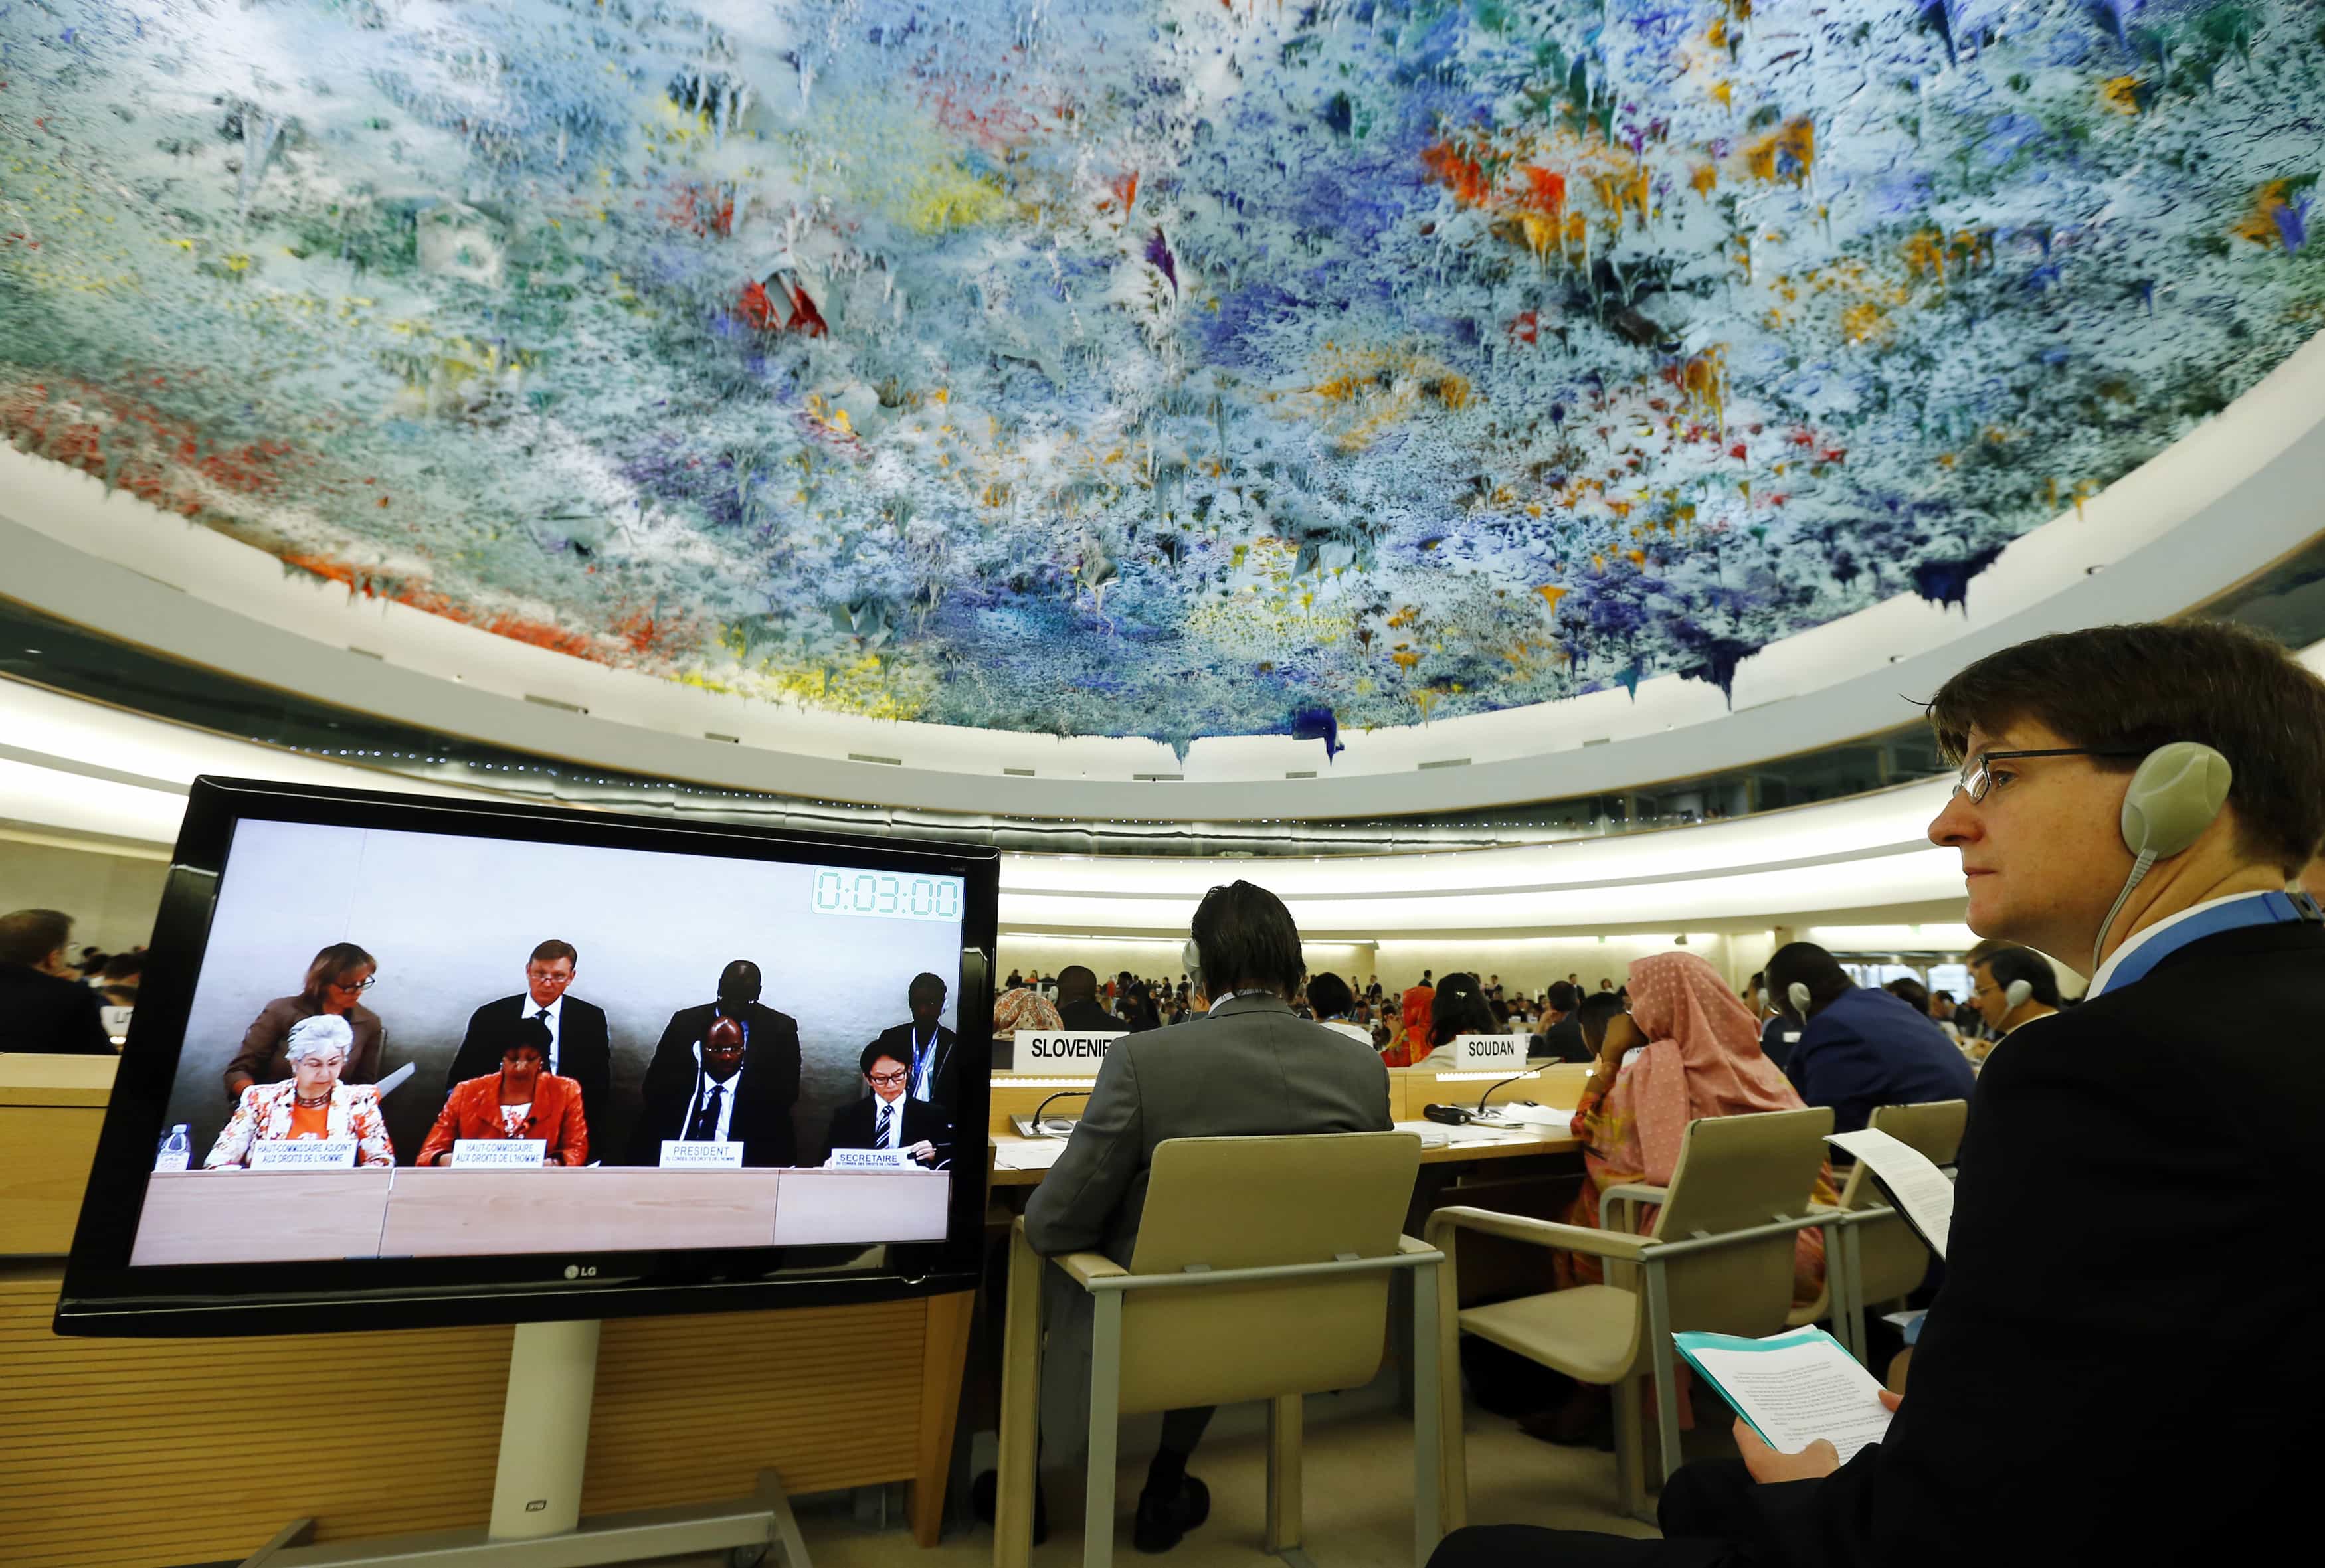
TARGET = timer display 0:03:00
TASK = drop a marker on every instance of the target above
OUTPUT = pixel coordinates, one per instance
(838, 892)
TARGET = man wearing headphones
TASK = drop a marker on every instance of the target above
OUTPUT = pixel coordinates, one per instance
(1859, 1048)
(2124, 1361)
(2011, 987)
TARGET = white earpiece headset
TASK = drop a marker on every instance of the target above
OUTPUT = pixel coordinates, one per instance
(2016, 995)
(1798, 995)
(2176, 793)
(1193, 962)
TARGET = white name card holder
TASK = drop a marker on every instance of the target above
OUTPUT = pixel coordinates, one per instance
(1484, 1053)
(701, 1154)
(869, 1159)
(303, 1154)
(1046, 1046)
(497, 1153)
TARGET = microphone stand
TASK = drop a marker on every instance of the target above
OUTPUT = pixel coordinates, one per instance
(1034, 1121)
(1462, 1116)
(1488, 1094)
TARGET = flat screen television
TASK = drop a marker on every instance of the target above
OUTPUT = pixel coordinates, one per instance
(426, 1060)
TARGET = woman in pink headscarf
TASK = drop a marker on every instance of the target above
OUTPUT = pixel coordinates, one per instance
(1687, 1050)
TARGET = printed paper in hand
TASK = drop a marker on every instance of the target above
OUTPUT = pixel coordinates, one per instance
(1793, 1387)
(1923, 1193)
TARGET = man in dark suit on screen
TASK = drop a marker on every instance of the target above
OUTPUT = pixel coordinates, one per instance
(925, 1045)
(892, 1118)
(581, 1045)
(727, 1072)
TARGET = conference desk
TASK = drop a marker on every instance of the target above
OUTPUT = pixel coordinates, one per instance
(1467, 1152)
(248, 1216)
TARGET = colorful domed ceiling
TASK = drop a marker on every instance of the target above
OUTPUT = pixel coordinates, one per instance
(1159, 369)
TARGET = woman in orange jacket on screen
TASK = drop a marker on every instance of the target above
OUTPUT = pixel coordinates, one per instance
(522, 1100)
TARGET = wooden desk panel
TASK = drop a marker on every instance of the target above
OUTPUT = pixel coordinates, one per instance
(1552, 1083)
(45, 1157)
(830, 1207)
(442, 1212)
(261, 1216)
(51, 1108)
(1448, 1154)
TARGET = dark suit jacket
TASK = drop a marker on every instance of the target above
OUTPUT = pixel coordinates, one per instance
(851, 1125)
(584, 1049)
(765, 1090)
(1087, 1017)
(2130, 1290)
(1561, 1042)
(39, 1012)
(1246, 1068)
(1867, 1048)
(898, 1043)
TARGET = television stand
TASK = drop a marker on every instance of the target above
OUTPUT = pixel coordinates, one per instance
(536, 1519)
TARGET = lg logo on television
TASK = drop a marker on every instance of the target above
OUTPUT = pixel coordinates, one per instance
(575, 1272)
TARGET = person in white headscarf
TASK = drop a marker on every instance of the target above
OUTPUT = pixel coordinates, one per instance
(311, 1103)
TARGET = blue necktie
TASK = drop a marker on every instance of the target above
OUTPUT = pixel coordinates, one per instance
(880, 1126)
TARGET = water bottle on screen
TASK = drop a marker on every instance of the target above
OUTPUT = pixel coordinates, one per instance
(176, 1149)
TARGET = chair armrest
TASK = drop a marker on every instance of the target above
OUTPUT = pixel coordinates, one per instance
(1634, 1192)
(1085, 1266)
(1618, 1244)
(1406, 1246)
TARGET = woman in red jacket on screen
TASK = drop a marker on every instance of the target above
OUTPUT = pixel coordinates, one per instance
(522, 1100)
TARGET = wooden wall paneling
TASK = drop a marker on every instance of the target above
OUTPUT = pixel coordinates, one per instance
(136, 1453)
(691, 1409)
(139, 1454)
(44, 1158)
(943, 1356)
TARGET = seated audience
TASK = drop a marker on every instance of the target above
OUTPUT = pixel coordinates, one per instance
(1023, 1008)
(1860, 1047)
(312, 1103)
(1417, 1007)
(122, 974)
(1561, 1039)
(1078, 1006)
(2039, 1417)
(337, 979)
(1329, 996)
(726, 1072)
(522, 1100)
(2011, 987)
(890, 1116)
(1141, 1013)
(1685, 1051)
(1249, 1068)
(43, 1006)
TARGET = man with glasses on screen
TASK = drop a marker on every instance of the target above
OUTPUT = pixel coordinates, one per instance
(890, 1118)
(581, 1045)
(725, 1072)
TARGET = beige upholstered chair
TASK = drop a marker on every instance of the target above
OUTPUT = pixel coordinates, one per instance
(1260, 1272)
(1882, 1260)
(1719, 1260)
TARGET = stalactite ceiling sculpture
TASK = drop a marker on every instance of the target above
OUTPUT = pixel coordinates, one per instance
(1167, 369)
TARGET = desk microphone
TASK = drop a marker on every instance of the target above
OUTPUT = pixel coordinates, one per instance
(1462, 1115)
(1035, 1120)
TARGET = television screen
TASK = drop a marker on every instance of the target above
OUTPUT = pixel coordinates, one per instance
(399, 1049)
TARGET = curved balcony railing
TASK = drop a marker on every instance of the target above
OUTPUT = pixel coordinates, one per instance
(2287, 600)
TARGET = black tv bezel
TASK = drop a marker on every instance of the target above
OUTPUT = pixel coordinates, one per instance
(102, 1294)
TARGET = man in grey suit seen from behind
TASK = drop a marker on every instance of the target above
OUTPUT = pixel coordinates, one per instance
(1250, 1067)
